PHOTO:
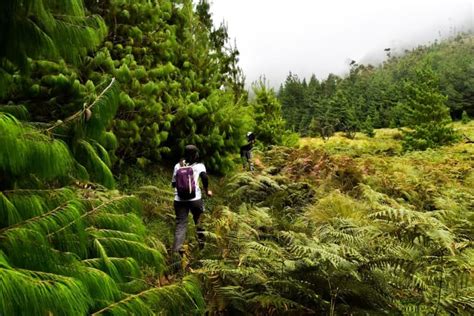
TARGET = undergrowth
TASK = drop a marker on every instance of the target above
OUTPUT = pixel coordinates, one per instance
(319, 230)
(316, 230)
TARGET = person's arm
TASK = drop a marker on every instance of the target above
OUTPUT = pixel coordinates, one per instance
(205, 181)
(173, 179)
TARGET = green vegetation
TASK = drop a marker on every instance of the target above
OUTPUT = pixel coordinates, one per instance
(369, 96)
(465, 118)
(269, 123)
(68, 244)
(334, 227)
(179, 82)
(424, 111)
(98, 98)
(351, 229)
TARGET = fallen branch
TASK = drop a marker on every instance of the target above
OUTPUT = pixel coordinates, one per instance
(468, 140)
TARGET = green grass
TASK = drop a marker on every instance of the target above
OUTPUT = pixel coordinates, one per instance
(386, 142)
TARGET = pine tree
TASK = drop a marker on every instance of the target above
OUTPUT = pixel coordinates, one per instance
(44, 29)
(47, 29)
(345, 110)
(293, 102)
(312, 97)
(465, 118)
(425, 112)
(269, 124)
(326, 118)
(68, 246)
(174, 70)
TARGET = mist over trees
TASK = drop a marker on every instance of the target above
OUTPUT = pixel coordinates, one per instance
(99, 98)
(371, 96)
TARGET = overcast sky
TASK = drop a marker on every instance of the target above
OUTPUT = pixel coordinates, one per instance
(321, 37)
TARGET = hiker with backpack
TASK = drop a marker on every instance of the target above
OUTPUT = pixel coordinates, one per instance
(246, 151)
(188, 195)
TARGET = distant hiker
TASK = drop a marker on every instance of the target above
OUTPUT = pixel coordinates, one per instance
(246, 151)
(188, 195)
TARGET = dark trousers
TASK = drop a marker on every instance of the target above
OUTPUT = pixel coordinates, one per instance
(182, 209)
(246, 155)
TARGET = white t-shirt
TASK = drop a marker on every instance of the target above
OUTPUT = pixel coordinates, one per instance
(197, 169)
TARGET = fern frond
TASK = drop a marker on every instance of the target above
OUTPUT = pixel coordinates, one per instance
(96, 167)
(26, 151)
(118, 247)
(126, 267)
(29, 205)
(36, 250)
(8, 213)
(129, 222)
(297, 288)
(114, 205)
(460, 302)
(251, 188)
(228, 272)
(183, 298)
(265, 250)
(275, 304)
(97, 232)
(417, 225)
(27, 292)
(52, 220)
(120, 203)
(133, 287)
(20, 112)
(150, 190)
(99, 285)
(102, 153)
(230, 295)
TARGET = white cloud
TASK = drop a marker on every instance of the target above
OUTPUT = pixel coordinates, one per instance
(304, 36)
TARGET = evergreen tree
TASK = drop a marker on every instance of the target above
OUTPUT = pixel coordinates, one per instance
(425, 112)
(312, 97)
(68, 246)
(325, 119)
(47, 29)
(374, 92)
(174, 70)
(292, 100)
(44, 29)
(368, 127)
(269, 124)
(465, 118)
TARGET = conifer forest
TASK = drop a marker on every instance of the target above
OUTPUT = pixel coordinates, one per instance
(361, 201)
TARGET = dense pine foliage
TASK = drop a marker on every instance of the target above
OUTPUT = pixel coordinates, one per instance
(373, 96)
(178, 76)
(100, 95)
(68, 244)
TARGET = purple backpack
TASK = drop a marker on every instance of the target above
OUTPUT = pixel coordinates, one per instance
(185, 182)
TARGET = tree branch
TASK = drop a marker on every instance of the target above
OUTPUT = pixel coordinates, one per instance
(81, 112)
(468, 140)
(95, 209)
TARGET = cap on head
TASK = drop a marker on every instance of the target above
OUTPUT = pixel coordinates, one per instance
(250, 136)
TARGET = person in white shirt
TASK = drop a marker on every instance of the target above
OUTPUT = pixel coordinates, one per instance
(186, 175)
